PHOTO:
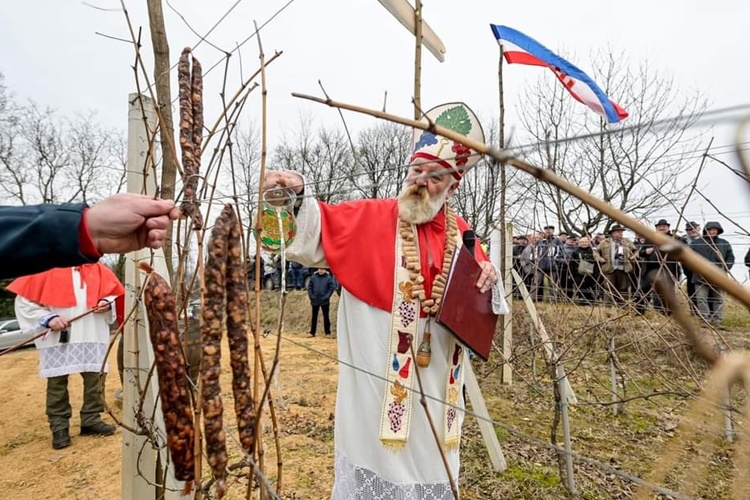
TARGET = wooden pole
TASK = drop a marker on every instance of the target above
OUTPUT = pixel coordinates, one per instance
(501, 144)
(506, 245)
(728, 424)
(418, 60)
(506, 375)
(563, 387)
(613, 375)
(483, 419)
(139, 461)
(548, 347)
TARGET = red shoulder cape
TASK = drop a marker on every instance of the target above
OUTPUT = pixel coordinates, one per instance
(54, 288)
(359, 242)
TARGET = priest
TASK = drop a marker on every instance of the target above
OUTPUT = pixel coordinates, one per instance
(392, 258)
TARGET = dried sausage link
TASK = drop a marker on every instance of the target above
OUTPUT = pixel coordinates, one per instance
(172, 374)
(237, 336)
(197, 98)
(190, 162)
(211, 330)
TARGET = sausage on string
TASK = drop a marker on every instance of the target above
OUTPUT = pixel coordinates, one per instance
(171, 371)
(224, 278)
(191, 102)
(237, 335)
(212, 311)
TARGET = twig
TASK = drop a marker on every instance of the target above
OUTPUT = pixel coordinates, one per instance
(423, 402)
(695, 183)
(28, 341)
(258, 234)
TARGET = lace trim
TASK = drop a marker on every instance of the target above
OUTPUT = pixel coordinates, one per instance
(357, 483)
(71, 358)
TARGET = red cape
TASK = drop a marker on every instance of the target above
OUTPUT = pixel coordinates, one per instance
(54, 288)
(359, 241)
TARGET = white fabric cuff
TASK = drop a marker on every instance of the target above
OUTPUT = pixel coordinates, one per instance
(499, 304)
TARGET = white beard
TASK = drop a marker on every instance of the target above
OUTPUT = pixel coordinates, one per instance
(415, 205)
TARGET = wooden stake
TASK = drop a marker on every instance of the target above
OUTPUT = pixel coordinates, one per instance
(483, 419)
(549, 349)
(728, 424)
(418, 60)
(613, 375)
(563, 388)
(507, 319)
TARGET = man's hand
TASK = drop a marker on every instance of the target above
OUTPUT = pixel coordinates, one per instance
(57, 324)
(283, 179)
(488, 278)
(126, 222)
(649, 250)
(103, 306)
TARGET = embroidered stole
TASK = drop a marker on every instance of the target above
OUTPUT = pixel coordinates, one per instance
(402, 389)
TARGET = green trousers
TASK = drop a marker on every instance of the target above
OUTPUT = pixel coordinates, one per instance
(58, 402)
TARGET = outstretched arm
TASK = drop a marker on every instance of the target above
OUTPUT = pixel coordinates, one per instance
(35, 238)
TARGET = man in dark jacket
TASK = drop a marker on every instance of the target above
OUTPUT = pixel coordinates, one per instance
(584, 275)
(547, 250)
(34, 238)
(719, 252)
(319, 289)
(655, 265)
(692, 233)
(519, 244)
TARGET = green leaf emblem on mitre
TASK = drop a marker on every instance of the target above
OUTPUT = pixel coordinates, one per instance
(456, 119)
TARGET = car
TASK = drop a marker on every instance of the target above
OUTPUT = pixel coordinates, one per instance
(11, 334)
(272, 280)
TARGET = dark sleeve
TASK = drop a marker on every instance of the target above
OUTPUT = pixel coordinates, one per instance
(747, 258)
(730, 256)
(35, 238)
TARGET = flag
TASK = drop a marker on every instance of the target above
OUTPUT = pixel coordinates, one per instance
(404, 12)
(521, 49)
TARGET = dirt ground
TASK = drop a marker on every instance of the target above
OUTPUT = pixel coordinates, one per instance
(90, 468)
(304, 399)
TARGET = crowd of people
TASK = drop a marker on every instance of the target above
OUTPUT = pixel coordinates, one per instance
(617, 271)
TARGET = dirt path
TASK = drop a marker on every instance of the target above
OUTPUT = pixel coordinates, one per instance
(90, 468)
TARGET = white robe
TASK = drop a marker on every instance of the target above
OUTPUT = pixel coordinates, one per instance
(365, 469)
(88, 336)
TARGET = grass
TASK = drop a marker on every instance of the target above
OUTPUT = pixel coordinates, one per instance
(657, 364)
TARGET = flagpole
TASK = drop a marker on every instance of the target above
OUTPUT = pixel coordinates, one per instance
(501, 145)
(506, 375)
(418, 60)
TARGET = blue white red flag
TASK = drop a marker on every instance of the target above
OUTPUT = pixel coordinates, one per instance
(521, 49)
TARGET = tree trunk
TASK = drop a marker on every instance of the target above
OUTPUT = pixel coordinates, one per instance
(164, 98)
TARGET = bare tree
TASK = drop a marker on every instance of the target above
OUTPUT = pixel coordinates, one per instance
(637, 169)
(382, 155)
(47, 159)
(324, 157)
(246, 170)
(478, 197)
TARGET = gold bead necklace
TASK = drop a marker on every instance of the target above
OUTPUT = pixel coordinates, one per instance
(431, 305)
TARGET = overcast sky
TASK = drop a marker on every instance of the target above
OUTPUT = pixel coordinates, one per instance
(49, 52)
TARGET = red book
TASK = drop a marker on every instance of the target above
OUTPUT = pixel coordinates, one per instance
(464, 311)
